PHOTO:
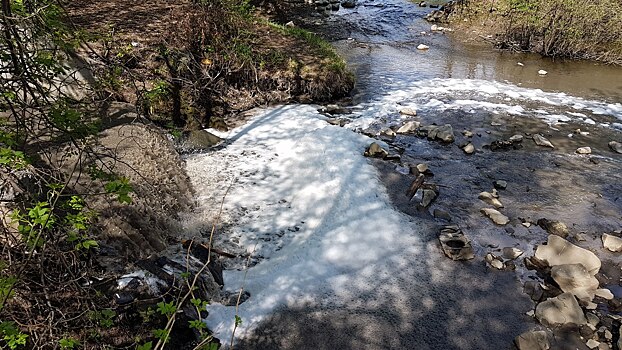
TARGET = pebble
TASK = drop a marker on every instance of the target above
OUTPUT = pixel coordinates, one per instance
(422, 47)
(500, 184)
(467, 133)
(615, 146)
(542, 72)
(584, 150)
(408, 111)
(469, 148)
(520, 64)
(542, 141)
(495, 216)
(592, 344)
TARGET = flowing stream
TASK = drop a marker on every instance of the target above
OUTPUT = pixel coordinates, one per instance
(407, 295)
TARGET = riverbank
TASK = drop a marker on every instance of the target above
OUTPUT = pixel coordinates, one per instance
(558, 29)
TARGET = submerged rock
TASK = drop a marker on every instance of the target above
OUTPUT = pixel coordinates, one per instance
(408, 127)
(494, 261)
(560, 310)
(511, 253)
(532, 340)
(542, 141)
(388, 132)
(575, 279)
(615, 146)
(495, 216)
(559, 251)
(375, 151)
(443, 133)
(553, 227)
(542, 72)
(348, 4)
(455, 244)
(516, 138)
(422, 47)
(488, 198)
(612, 243)
(500, 184)
(429, 195)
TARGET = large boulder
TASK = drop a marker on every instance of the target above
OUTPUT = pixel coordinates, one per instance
(561, 310)
(575, 279)
(559, 251)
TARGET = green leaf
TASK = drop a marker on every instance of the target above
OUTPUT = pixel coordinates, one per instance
(166, 309)
(146, 346)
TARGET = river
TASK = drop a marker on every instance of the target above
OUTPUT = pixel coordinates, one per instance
(417, 298)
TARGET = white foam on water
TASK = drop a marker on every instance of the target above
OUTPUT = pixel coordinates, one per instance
(495, 97)
(313, 175)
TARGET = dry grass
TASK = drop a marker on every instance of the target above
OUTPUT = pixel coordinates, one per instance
(556, 28)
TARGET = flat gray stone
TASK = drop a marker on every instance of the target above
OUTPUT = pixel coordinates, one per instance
(408, 127)
(561, 310)
(612, 243)
(488, 198)
(559, 251)
(532, 340)
(495, 216)
(575, 279)
(542, 141)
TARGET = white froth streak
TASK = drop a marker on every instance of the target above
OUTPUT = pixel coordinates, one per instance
(349, 223)
(447, 94)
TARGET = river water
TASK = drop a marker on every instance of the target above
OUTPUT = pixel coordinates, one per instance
(433, 302)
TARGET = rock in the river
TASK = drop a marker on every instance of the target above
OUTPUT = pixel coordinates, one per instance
(335, 109)
(408, 127)
(443, 133)
(604, 293)
(511, 253)
(560, 310)
(542, 141)
(516, 138)
(467, 133)
(388, 132)
(575, 279)
(490, 199)
(420, 168)
(542, 72)
(500, 184)
(469, 148)
(441, 214)
(455, 244)
(592, 344)
(495, 216)
(612, 243)
(494, 261)
(429, 195)
(408, 111)
(532, 340)
(348, 4)
(616, 147)
(199, 140)
(559, 251)
(553, 227)
(584, 150)
(422, 47)
(375, 151)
